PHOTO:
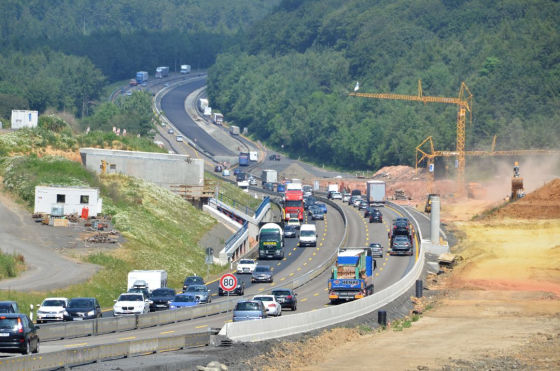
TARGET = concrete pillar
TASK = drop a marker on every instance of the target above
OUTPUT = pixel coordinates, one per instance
(435, 220)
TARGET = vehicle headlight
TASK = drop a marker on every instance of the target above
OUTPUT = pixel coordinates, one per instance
(66, 313)
(40, 312)
(91, 313)
(169, 302)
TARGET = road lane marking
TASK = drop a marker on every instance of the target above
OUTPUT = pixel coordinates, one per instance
(289, 254)
(201, 326)
(128, 338)
(167, 332)
(305, 263)
(299, 269)
(304, 299)
(377, 275)
(294, 249)
(316, 294)
(291, 274)
(282, 279)
(310, 259)
(278, 263)
(314, 253)
(261, 289)
(75, 345)
(284, 259)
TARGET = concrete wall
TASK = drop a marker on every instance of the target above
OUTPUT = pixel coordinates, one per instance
(159, 168)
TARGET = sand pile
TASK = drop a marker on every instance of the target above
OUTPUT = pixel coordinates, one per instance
(544, 203)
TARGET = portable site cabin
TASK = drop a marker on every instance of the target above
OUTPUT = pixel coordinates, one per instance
(24, 119)
(73, 200)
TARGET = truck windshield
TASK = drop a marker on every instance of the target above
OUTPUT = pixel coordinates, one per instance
(270, 236)
(292, 203)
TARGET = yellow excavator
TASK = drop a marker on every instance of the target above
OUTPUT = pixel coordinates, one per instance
(517, 190)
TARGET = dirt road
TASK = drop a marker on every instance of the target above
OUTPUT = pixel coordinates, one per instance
(46, 269)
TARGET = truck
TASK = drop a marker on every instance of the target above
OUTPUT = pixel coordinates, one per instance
(162, 72)
(154, 279)
(253, 156)
(217, 118)
(332, 187)
(243, 158)
(141, 77)
(352, 275)
(269, 176)
(271, 241)
(293, 203)
(185, 68)
(234, 130)
(375, 191)
(202, 104)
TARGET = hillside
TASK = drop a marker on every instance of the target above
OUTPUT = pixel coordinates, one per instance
(288, 80)
(543, 203)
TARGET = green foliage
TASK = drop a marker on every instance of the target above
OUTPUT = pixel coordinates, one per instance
(10, 264)
(288, 80)
(52, 123)
(102, 139)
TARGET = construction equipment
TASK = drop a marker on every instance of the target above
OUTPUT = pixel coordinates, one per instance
(399, 195)
(428, 207)
(464, 104)
(516, 184)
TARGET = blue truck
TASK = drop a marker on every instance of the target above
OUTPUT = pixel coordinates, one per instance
(243, 158)
(141, 77)
(352, 276)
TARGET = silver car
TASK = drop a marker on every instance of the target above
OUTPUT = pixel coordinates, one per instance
(201, 292)
(262, 273)
(248, 310)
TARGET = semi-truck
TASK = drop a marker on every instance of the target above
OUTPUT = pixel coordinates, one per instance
(185, 68)
(352, 275)
(293, 203)
(202, 104)
(375, 190)
(243, 158)
(141, 77)
(253, 156)
(271, 241)
(154, 279)
(162, 72)
(269, 176)
(217, 118)
(234, 130)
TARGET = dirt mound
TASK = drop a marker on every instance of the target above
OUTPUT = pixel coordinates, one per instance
(544, 203)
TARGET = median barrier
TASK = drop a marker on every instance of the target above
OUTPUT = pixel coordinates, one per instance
(149, 320)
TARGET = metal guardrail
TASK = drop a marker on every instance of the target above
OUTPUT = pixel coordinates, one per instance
(233, 239)
(265, 201)
(308, 321)
(91, 354)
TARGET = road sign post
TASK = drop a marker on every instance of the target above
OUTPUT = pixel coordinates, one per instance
(228, 283)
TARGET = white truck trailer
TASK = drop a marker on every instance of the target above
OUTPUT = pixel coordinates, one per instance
(375, 190)
(155, 279)
(269, 176)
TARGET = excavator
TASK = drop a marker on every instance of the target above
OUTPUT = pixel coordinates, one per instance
(517, 191)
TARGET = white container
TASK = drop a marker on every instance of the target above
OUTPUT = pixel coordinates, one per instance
(24, 119)
(155, 279)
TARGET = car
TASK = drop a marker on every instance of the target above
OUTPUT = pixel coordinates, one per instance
(18, 334)
(357, 201)
(345, 197)
(268, 186)
(294, 222)
(9, 307)
(376, 250)
(375, 216)
(82, 308)
(368, 210)
(131, 303)
(401, 226)
(363, 205)
(246, 266)
(274, 157)
(52, 309)
(239, 176)
(273, 308)
(236, 171)
(160, 298)
(401, 246)
(262, 273)
(290, 231)
(225, 172)
(218, 168)
(308, 235)
(312, 209)
(336, 196)
(239, 289)
(140, 290)
(129, 93)
(179, 138)
(183, 300)
(201, 292)
(170, 131)
(321, 206)
(252, 181)
(192, 280)
(317, 214)
(246, 310)
(353, 198)
(286, 297)
(308, 202)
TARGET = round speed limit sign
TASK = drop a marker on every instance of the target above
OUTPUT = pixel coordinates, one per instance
(228, 282)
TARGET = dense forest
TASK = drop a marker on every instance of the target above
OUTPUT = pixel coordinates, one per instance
(60, 53)
(288, 80)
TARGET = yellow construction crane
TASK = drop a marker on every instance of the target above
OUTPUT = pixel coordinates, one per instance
(464, 104)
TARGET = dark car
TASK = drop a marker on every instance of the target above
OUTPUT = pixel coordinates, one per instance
(262, 273)
(83, 308)
(376, 250)
(8, 307)
(375, 216)
(286, 297)
(236, 171)
(240, 177)
(246, 310)
(368, 211)
(218, 168)
(308, 202)
(161, 298)
(401, 246)
(317, 214)
(401, 226)
(312, 209)
(269, 186)
(239, 289)
(274, 157)
(290, 231)
(140, 290)
(18, 334)
(192, 280)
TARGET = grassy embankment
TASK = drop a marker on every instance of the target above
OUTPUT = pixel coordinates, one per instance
(161, 230)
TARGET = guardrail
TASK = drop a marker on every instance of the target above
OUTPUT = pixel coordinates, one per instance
(250, 331)
(91, 354)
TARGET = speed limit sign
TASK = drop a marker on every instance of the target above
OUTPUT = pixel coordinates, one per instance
(228, 282)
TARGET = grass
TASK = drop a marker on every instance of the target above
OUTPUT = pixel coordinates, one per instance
(232, 195)
(11, 264)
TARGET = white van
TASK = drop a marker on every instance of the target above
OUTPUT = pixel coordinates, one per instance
(307, 235)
